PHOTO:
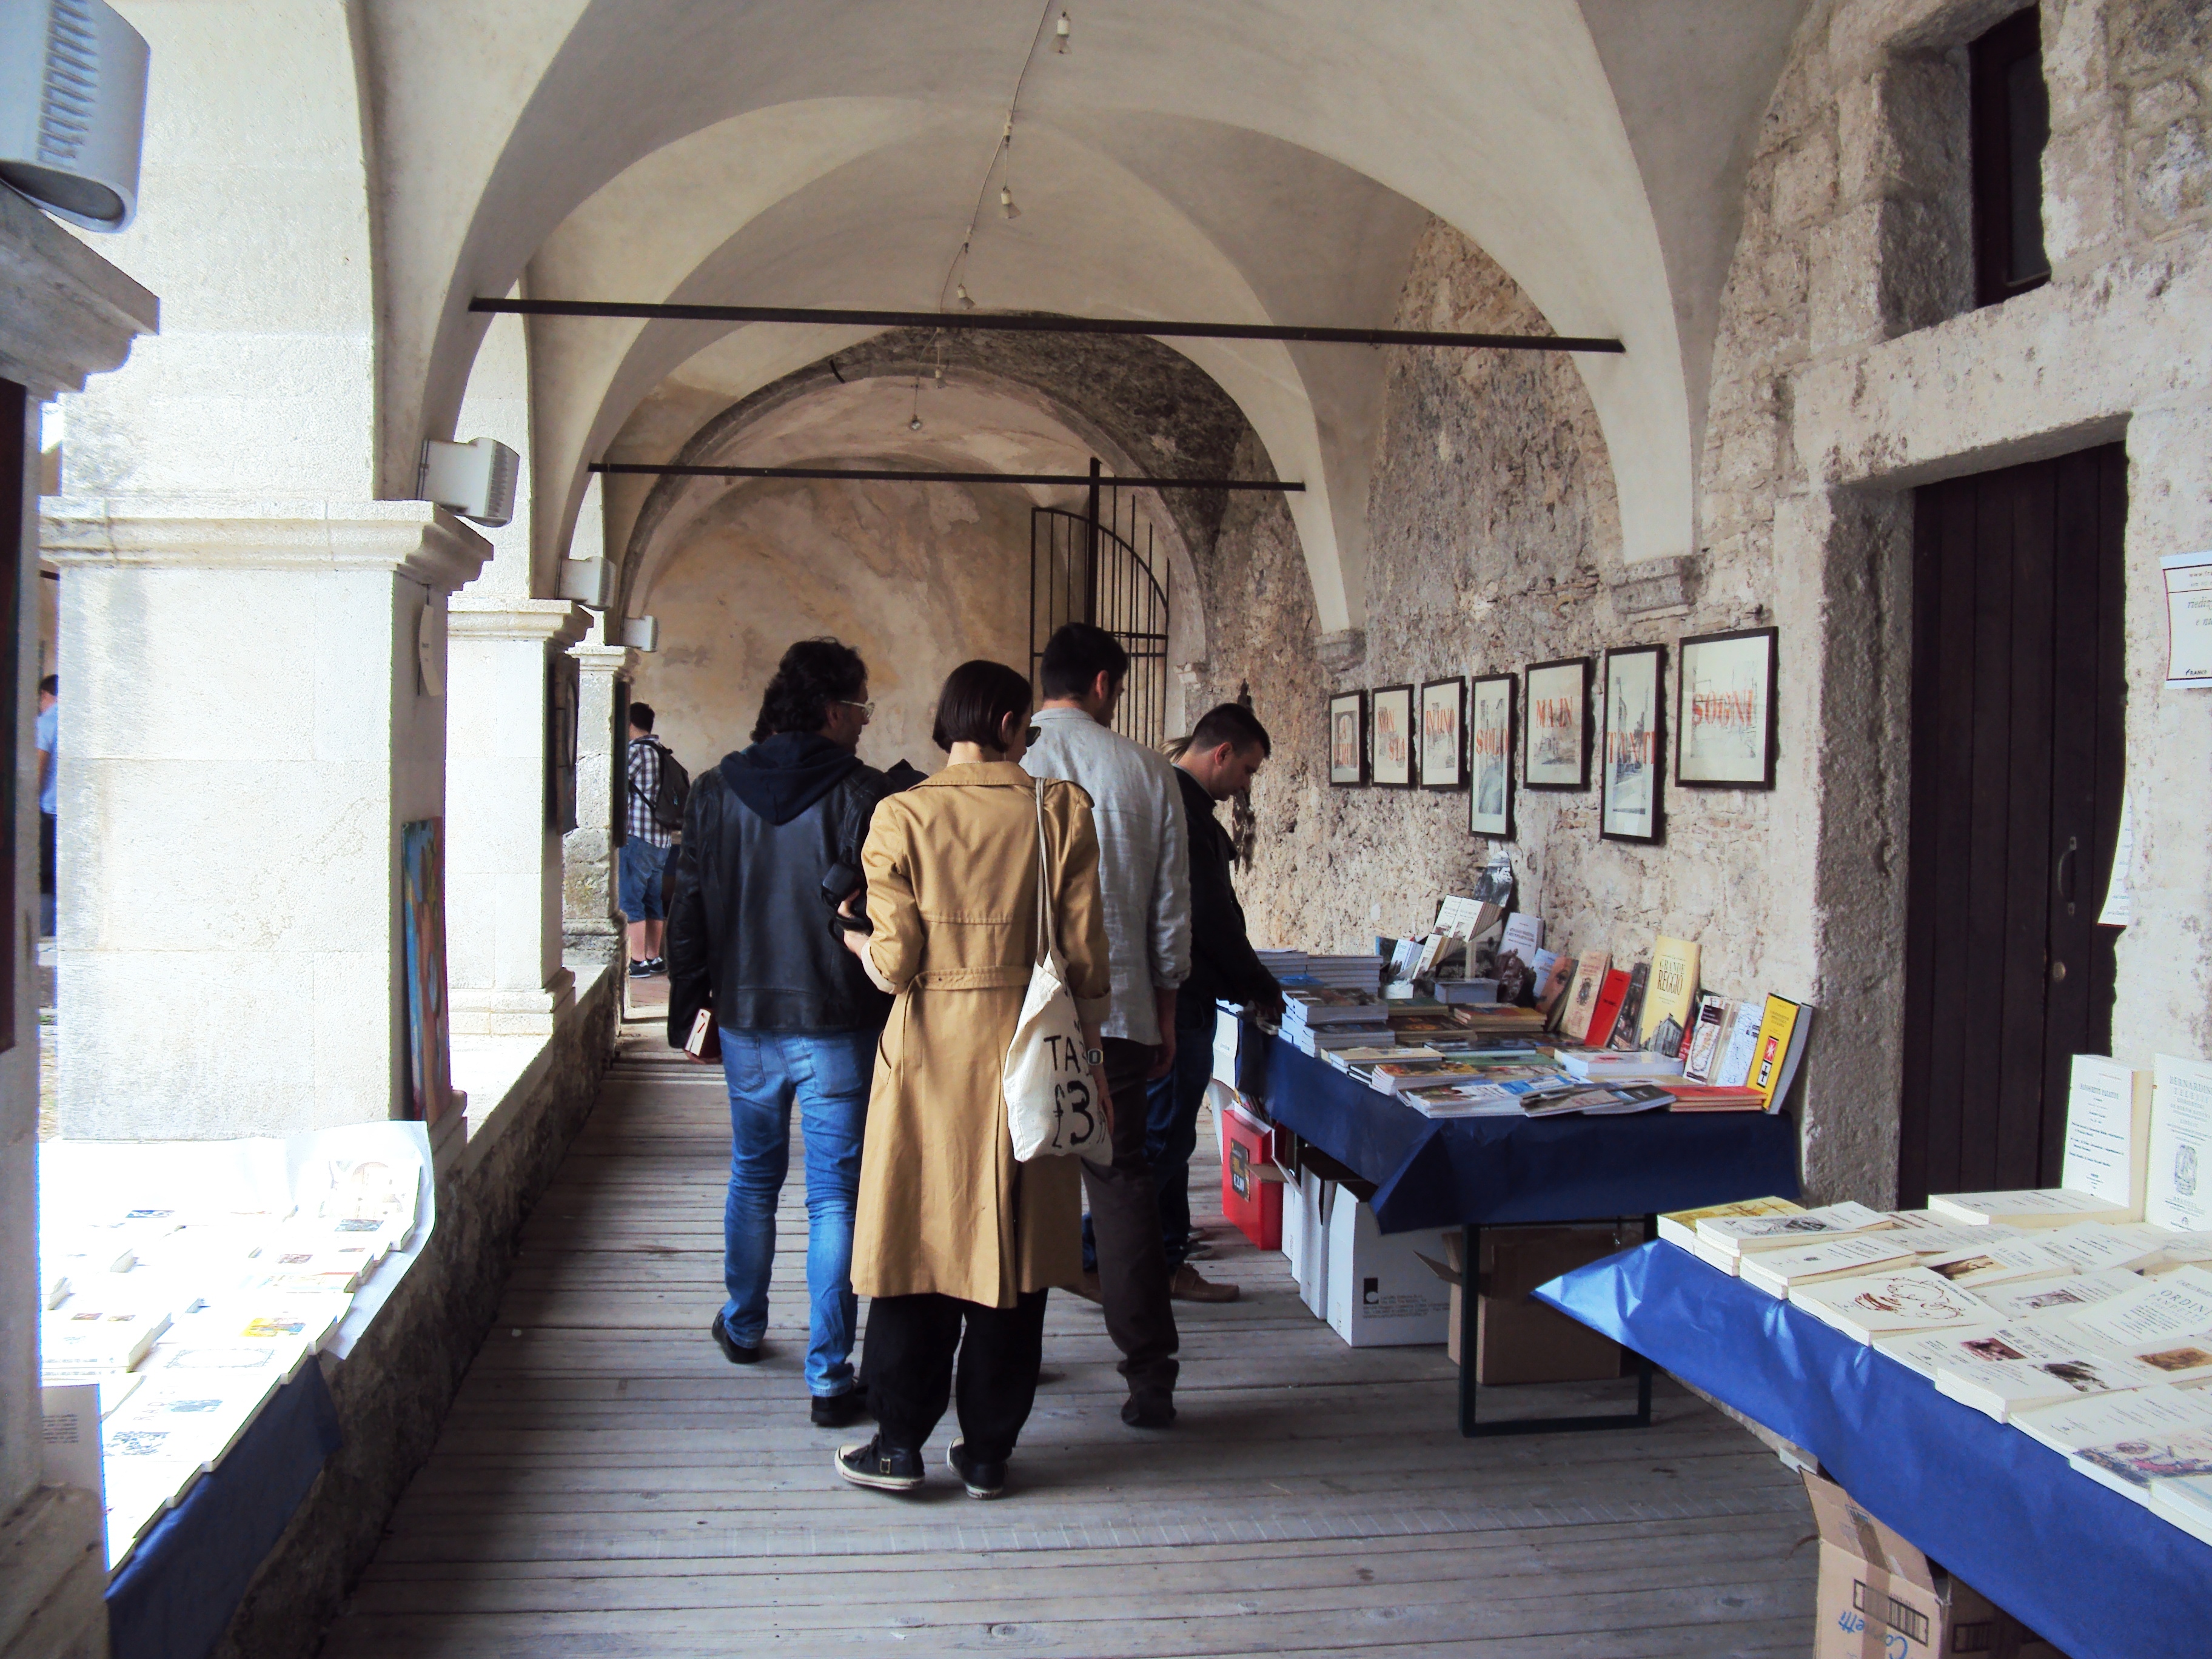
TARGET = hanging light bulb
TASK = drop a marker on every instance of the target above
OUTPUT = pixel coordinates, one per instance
(967, 302)
(915, 425)
(1006, 207)
(1060, 35)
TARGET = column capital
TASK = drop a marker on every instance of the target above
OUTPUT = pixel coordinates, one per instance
(595, 658)
(493, 617)
(414, 539)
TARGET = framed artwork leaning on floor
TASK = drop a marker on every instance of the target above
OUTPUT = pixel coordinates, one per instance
(1558, 722)
(1443, 720)
(1633, 756)
(1724, 718)
(1390, 737)
(1347, 741)
(1490, 744)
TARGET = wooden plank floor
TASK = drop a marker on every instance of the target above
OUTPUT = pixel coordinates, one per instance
(607, 1485)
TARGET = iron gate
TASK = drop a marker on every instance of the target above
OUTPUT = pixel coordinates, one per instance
(1097, 566)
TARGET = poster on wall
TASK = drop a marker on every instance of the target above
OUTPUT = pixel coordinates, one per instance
(1559, 717)
(562, 692)
(1347, 739)
(1724, 719)
(1631, 759)
(1390, 737)
(422, 922)
(2188, 617)
(1443, 721)
(1489, 755)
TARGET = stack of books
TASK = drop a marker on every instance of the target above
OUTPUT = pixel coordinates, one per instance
(1309, 1010)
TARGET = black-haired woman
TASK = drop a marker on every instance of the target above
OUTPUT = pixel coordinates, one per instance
(955, 1242)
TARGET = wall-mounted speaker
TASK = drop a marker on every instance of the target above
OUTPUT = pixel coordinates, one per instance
(476, 480)
(72, 109)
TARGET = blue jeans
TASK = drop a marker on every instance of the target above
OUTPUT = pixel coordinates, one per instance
(828, 1073)
(1171, 1104)
(637, 879)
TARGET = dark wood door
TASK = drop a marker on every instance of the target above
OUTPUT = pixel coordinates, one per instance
(2018, 694)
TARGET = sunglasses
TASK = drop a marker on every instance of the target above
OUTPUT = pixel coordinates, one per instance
(867, 710)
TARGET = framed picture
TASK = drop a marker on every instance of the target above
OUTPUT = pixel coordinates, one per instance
(1634, 757)
(1724, 721)
(1490, 745)
(1559, 725)
(1444, 735)
(562, 693)
(1347, 739)
(422, 921)
(1390, 737)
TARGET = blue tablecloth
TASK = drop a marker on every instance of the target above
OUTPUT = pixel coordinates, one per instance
(2096, 1574)
(176, 1593)
(1497, 1171)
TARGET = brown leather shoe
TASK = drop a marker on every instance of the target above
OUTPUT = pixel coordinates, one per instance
(1187, 1286)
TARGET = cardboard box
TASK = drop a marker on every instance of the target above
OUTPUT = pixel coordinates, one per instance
(1519, 1339)
(1378, 1291)
(1309, 1267)
(1228, 1032)
(1251, 1187)
(1880, 1596)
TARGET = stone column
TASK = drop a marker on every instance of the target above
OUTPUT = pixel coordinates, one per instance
(231, 956)
(588, 919)
(503, 903)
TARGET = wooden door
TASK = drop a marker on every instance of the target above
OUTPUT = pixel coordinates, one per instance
(2018, 694)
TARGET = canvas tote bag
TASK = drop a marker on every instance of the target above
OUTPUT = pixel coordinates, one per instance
(1052, 1107)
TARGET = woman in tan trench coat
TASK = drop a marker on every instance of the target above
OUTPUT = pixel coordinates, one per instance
(950, 1231)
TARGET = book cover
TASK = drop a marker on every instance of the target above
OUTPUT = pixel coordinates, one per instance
(2141, 1459)
(1706, 1031)
(2107, 1148)
(1552, 989)
(1590, 969)
(1606, 1012)
(2033, 1207)
(1711, 1097)
(1777, 1026)
(1679, 1227)
(2160, 1410)
(1626, 1025)
(2177, 1184)
(1671, 996)
(1739, 1046)
(1902, 1299)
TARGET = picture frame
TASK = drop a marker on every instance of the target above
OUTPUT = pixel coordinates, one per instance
(1634, 757)
(1444, 734)
(1724, 718)
(423, 929)
(1558, 721)
(1390, 737)
(1492, 739)
(1347, 741)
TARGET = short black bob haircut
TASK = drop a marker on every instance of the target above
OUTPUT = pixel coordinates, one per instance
(813, 674)
(640, 716)
(1231, 723)
(1075, 656)
(974, 705)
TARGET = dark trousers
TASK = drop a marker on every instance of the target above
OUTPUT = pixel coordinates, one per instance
(908, 1368)
(1171, 1106)
(1124, 1228)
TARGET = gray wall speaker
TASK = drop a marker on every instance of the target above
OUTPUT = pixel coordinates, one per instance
(72, 109)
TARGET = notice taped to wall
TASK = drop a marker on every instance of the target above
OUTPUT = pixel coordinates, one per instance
(2188, 617)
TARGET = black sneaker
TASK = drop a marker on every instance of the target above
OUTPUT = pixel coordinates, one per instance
(732, 1350)
(642, 970)
(982, 1480)
(887, 1469)
(1148, 1411)
(656, 964)
(837, 1411)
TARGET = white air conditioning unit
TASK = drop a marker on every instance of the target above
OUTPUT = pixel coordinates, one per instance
(641, 633)
(589, 582)
(476, 480)
(72, 109)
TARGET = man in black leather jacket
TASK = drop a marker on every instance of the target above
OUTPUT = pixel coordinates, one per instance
(750, 937)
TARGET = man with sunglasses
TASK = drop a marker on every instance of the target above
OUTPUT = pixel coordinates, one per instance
(1143, 878)
(750, 938)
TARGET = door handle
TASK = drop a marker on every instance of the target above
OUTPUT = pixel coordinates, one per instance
(2057, 973)
(2067, 860)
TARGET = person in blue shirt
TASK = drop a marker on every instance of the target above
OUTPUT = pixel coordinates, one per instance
(50, 697)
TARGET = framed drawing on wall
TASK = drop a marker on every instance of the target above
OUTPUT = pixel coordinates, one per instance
(1443, 736)
(1390, 737)
(1489, 755)
(1632, 758)
(1347, 739)
(1724, 719)
(1559, 725)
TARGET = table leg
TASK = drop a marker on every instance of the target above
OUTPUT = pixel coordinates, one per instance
(1470, 1245)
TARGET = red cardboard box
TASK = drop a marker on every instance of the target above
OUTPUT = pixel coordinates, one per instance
(1251, 1186)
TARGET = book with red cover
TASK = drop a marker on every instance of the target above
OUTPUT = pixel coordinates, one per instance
(1711, 1097)
(1606, 1014)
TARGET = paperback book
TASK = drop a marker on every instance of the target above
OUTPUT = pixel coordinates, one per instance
(1901, 1299)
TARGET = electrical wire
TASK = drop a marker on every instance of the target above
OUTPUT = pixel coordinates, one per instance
(1002, 150)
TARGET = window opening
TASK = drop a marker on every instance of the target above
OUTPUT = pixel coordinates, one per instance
(2011, 123)
(1099, 565)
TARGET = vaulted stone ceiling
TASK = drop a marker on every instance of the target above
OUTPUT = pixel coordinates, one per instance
(1270, 161)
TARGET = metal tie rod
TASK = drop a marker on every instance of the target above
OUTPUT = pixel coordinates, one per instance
(886, 475)
(1033, 322)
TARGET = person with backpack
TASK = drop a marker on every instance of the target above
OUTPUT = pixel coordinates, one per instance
(772, 841)
(658, 787)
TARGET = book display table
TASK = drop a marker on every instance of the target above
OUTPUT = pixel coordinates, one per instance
(2100, 1576)
(1474, 1172)
(175, 1596)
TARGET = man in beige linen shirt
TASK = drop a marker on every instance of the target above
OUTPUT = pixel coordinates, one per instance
(1143, 878)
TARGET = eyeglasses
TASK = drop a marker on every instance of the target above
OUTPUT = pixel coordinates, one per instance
(867, 710)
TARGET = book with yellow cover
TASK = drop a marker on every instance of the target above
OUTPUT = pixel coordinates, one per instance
(1781, 1044)
(1680, 1227)
(1670, 995)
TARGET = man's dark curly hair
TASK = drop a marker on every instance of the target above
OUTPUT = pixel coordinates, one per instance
(813, 674)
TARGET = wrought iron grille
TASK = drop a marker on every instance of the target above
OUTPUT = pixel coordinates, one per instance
(1097, 565)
